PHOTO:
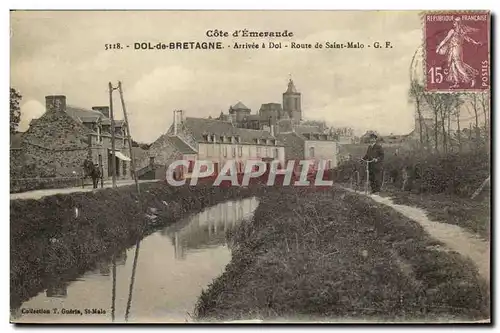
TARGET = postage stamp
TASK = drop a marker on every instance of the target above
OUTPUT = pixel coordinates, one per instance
(457, 51)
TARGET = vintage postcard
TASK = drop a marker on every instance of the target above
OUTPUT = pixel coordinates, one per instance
(250, 166)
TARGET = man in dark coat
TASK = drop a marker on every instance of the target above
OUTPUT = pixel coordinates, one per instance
(375, 153)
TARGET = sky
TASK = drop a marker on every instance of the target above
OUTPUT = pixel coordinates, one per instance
(63, 53)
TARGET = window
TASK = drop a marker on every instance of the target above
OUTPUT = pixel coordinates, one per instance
(259, 150)
(224, 151)
(311, 152)
(233, 151)
(275, 152)
(266, 152)
(240, 151)
(151, 160)
(207, 138)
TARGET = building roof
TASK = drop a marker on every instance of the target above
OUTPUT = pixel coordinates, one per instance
(16, 140)
(307, 129)
(81, 113)
(139, 153)
(181, 146)
(240, 106)
(91, 116)
(200, 127)
(89, 119)
(315, 136)
(270, 106)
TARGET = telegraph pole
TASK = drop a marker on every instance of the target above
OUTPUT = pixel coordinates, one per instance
(113, 158)
(141, 222)
(132, 161)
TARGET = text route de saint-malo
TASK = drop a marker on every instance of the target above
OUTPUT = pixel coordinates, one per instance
(245, 33)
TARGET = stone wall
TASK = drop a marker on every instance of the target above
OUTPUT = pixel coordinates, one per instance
(29, 184)
(16, 163)
(56, 130)
(163, 151)
(55, 144)
(51, 163)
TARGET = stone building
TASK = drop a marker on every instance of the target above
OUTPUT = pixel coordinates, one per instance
(211, 140)
(311, 146)
(162, 152)
(270, 114)
(57, 143)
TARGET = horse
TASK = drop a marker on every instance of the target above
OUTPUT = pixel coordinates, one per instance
(91, 170)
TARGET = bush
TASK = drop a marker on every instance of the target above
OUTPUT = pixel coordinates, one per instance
(455, 173)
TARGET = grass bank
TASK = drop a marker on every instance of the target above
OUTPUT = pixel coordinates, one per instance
(473, 215)
(337, 256)
(60, 237)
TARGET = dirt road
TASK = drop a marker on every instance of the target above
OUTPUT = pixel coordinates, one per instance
(37, 194)
(454, 237)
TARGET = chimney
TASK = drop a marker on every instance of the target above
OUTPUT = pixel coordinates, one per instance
(102, 109)
(55, 103)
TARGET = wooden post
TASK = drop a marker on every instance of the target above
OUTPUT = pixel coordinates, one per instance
(480, 189)
(132, 161)
(112, 118)
(141, 222)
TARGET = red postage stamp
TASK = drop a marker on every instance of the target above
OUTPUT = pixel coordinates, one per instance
(457, 48)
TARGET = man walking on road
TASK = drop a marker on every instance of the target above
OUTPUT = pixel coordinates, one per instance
(375, 154)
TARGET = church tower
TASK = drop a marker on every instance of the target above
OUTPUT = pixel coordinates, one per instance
(292, 103)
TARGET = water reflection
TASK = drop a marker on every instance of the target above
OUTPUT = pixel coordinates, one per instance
(208, 228)
(174, 265)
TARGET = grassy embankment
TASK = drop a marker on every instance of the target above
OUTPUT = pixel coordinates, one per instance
(49, 240)
(472, 215)
(337, 256)
(442, 184)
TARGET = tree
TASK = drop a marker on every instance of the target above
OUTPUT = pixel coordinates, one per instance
(15, 110)
(442, 106)
(416, 94)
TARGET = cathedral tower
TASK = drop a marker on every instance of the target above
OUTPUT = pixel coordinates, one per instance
(292, 103)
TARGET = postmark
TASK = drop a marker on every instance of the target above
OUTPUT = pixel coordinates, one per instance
(457, 51)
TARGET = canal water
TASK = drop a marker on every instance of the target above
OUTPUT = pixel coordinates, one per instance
(173, 267)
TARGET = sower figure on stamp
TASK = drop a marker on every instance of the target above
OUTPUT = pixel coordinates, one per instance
(375, 154)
